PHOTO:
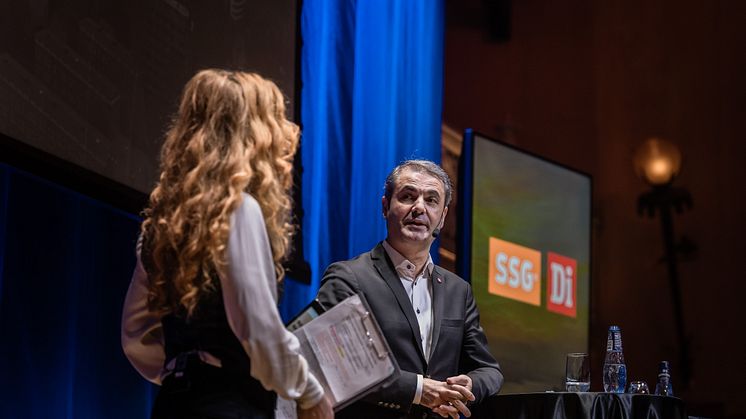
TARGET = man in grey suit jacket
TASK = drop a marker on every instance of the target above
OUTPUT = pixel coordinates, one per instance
(427, 314)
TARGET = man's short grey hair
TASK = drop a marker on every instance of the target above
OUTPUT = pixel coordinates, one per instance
(418, 166)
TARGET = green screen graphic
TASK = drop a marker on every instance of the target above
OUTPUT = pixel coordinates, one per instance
(526, 202)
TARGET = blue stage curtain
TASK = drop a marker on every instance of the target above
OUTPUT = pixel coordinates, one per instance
(65, 265)
(372, 76)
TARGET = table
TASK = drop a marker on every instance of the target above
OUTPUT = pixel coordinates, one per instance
(580, 406)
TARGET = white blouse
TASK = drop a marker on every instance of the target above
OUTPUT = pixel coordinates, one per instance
(250, 297)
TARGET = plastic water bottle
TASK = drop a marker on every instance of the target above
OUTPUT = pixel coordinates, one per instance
(664, 387)
(615, 370)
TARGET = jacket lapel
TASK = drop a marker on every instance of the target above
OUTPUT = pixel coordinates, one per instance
(438, 283)
(386, 269)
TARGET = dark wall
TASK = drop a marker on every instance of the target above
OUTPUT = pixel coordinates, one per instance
(95, 83)
(584, 83)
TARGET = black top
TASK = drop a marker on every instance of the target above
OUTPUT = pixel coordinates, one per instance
(208, 330)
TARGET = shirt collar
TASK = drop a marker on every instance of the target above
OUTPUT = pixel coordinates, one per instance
(403, 266)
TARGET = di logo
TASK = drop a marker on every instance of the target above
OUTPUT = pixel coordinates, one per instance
(514, 272)
(562, 284)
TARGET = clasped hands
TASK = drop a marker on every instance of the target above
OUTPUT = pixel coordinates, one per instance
(448, 398)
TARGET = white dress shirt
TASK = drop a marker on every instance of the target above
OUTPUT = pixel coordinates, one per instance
(249, 289)
(419, 290)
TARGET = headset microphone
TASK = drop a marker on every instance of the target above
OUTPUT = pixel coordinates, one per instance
(436, 230)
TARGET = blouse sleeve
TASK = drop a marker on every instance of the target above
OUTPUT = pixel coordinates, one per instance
(142, 337)
(250, 295)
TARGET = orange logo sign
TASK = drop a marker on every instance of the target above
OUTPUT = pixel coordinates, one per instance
(514, 272)
(562, 284)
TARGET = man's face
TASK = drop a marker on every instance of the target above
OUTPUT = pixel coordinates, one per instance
(416, 208)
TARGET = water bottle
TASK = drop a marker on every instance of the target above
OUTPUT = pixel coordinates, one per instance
(664, 387)
(615, 371)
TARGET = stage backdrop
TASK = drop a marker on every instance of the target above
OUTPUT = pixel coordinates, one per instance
(372, 77)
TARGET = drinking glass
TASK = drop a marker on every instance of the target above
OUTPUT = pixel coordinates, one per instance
(577, 372)
(638, 387)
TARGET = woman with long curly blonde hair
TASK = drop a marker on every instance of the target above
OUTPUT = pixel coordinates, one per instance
(200, 316)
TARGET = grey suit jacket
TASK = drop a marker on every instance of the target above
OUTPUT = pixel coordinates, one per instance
(459, 345)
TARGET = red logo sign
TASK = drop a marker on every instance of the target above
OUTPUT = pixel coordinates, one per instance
(562, 284)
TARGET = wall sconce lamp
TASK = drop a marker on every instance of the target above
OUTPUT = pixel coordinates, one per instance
(658, 162)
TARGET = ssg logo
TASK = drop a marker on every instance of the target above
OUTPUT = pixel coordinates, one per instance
(515, 272)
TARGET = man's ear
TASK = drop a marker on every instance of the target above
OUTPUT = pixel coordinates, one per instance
(384, 206)
(443, 217)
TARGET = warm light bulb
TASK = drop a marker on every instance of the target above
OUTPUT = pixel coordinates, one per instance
(657, 161)
(658, 171)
